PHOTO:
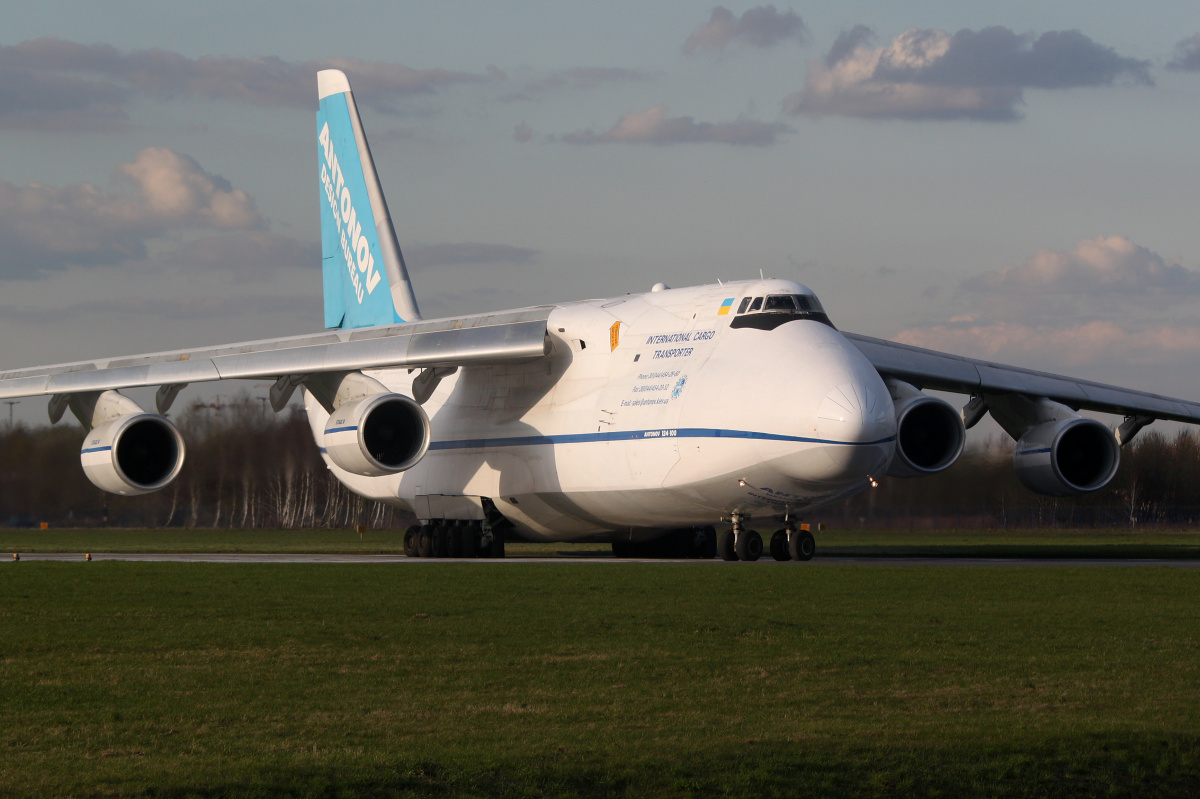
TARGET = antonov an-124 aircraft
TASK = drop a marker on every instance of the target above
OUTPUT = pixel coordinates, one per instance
(624, 420)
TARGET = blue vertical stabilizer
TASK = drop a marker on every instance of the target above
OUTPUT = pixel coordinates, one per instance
(366, 282)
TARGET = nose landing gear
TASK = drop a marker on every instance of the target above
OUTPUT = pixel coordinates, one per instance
(792, 544)
(738, 543)
(801, 544)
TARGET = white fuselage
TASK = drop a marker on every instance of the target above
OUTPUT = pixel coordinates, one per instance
(650, 412)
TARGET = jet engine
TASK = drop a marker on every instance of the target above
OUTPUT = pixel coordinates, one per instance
(132, 454)
(377, 435)
(929, 433)
(1066, 457)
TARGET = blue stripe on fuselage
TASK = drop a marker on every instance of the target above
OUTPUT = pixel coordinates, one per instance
(639, 435)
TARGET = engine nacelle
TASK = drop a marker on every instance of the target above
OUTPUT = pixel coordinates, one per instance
(1067, 457)
(929, 433)
(377, 435)
(132, 454)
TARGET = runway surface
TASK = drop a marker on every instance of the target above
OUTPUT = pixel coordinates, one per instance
(184, 557)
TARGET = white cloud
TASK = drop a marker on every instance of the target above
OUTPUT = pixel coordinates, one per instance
(1091, 342)
(1187, 55)
(653, 126)
(1105, 265)
(762, 26)
(52, 84)
(43, 228)
(931, 74)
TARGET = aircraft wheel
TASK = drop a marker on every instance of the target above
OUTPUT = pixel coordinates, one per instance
(708, 547)
(779, 545)
(454, 539)
(802, 546)
(411, 536)
(469, 537)
(749, 545)
(425, 541)
(725, 546)
(621, 549)
(439, 541)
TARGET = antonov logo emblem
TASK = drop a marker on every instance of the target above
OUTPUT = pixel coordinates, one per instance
(356, 250)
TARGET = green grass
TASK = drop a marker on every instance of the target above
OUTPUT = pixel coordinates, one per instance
(1053, 543)
(1120, 542)
(206, 680)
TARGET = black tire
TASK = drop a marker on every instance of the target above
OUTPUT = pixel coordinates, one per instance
(779, 545)
(679, 544)
(708, 547)
(621, 549)
(469, 539)
(425, 542)
(454, 539)
(802, 545)
(725, 546)
(749, 545)
(439, 541)
(411, 536)
(497, 548)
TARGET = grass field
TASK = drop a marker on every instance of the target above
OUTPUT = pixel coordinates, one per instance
(1055, 543)
(206, 680)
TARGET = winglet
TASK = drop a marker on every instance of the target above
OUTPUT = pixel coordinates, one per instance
(358, 241)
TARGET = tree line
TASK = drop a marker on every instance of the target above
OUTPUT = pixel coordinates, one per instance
(246, 467)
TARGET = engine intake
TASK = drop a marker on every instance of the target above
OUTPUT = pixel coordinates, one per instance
(929, 433)
(132, 454)
(1067, 457)
(377, 435)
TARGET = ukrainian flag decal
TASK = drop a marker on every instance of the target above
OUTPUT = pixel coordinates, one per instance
(725, 306)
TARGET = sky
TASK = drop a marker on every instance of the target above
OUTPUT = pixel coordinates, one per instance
(1015, 181)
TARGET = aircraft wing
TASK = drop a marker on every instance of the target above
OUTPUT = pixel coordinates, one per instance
(508, 337)
(940, 371)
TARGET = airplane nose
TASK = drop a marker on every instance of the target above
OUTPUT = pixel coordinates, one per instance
(857, 425)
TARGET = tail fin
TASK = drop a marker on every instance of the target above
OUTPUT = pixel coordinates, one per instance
(366, 282)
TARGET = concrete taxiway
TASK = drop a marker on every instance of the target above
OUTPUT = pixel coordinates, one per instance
(245, 557)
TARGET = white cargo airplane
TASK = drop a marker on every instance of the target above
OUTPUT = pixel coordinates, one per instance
(623, 420)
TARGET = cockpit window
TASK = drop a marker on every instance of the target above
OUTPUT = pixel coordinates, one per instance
(779, 310)
(780, 302)
(807, 302)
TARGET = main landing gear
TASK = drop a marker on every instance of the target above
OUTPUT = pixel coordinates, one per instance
(738, 543)
(451, 538)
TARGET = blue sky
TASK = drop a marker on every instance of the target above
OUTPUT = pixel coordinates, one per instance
(1016, 180)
